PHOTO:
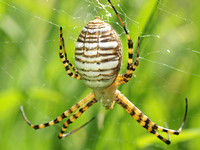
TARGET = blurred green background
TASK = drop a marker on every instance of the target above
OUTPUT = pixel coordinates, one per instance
(32, 75)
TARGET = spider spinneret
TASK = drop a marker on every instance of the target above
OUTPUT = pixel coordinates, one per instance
(98, 58)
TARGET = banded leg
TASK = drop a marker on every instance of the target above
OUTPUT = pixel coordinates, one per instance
(65, 60)
(74, 117)
(144, 121)
(124, 78)
(130, 68)
(59, 118)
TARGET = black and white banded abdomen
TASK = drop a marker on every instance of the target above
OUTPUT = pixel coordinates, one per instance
(98, 54)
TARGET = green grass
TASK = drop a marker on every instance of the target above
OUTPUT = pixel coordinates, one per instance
(32, 75)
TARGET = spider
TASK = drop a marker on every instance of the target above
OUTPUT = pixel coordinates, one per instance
(98, 58)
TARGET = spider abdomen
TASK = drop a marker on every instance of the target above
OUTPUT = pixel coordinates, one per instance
(98, 54)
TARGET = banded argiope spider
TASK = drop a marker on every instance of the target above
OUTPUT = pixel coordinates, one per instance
(98, 57)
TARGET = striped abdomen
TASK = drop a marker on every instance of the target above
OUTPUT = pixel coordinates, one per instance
(98, 54)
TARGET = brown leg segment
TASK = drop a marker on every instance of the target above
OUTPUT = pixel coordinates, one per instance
(144, 121)
(59, 118)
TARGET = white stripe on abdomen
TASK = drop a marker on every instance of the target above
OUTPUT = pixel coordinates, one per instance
(98, 53)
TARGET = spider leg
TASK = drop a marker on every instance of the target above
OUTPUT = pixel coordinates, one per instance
(124, 78)
(74, 117)
(79, 127)
(65, 60)
(59, 118)
(144, 121)
(168, 133)
(159, 128)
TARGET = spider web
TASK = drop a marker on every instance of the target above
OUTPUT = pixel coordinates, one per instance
(161, 59)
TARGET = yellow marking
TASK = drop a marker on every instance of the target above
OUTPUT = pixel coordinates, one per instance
(128, 37)
(32, 126)
(170, 131)
(51, 123)
(151, 124)
(130, 51)
(144, 117)
(68, 71)
(136, 117)
(66, 113)
(130, 61)
(59, 118)
(78, 113)
(142, 123)
(74, 75)
(112, 105)
(60, 134)
(137, 111)
(63, 129)
(160, 129)
(119, 77)
(134, 66)
(72, 119)
(66, 125)
(41, 126)
(129, 111)
(149, 129)
(75, 107)
(156, 134)
(85, 108)
(129, 71)
(91, 95)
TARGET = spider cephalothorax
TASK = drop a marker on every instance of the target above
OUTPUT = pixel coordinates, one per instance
(98, 57)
